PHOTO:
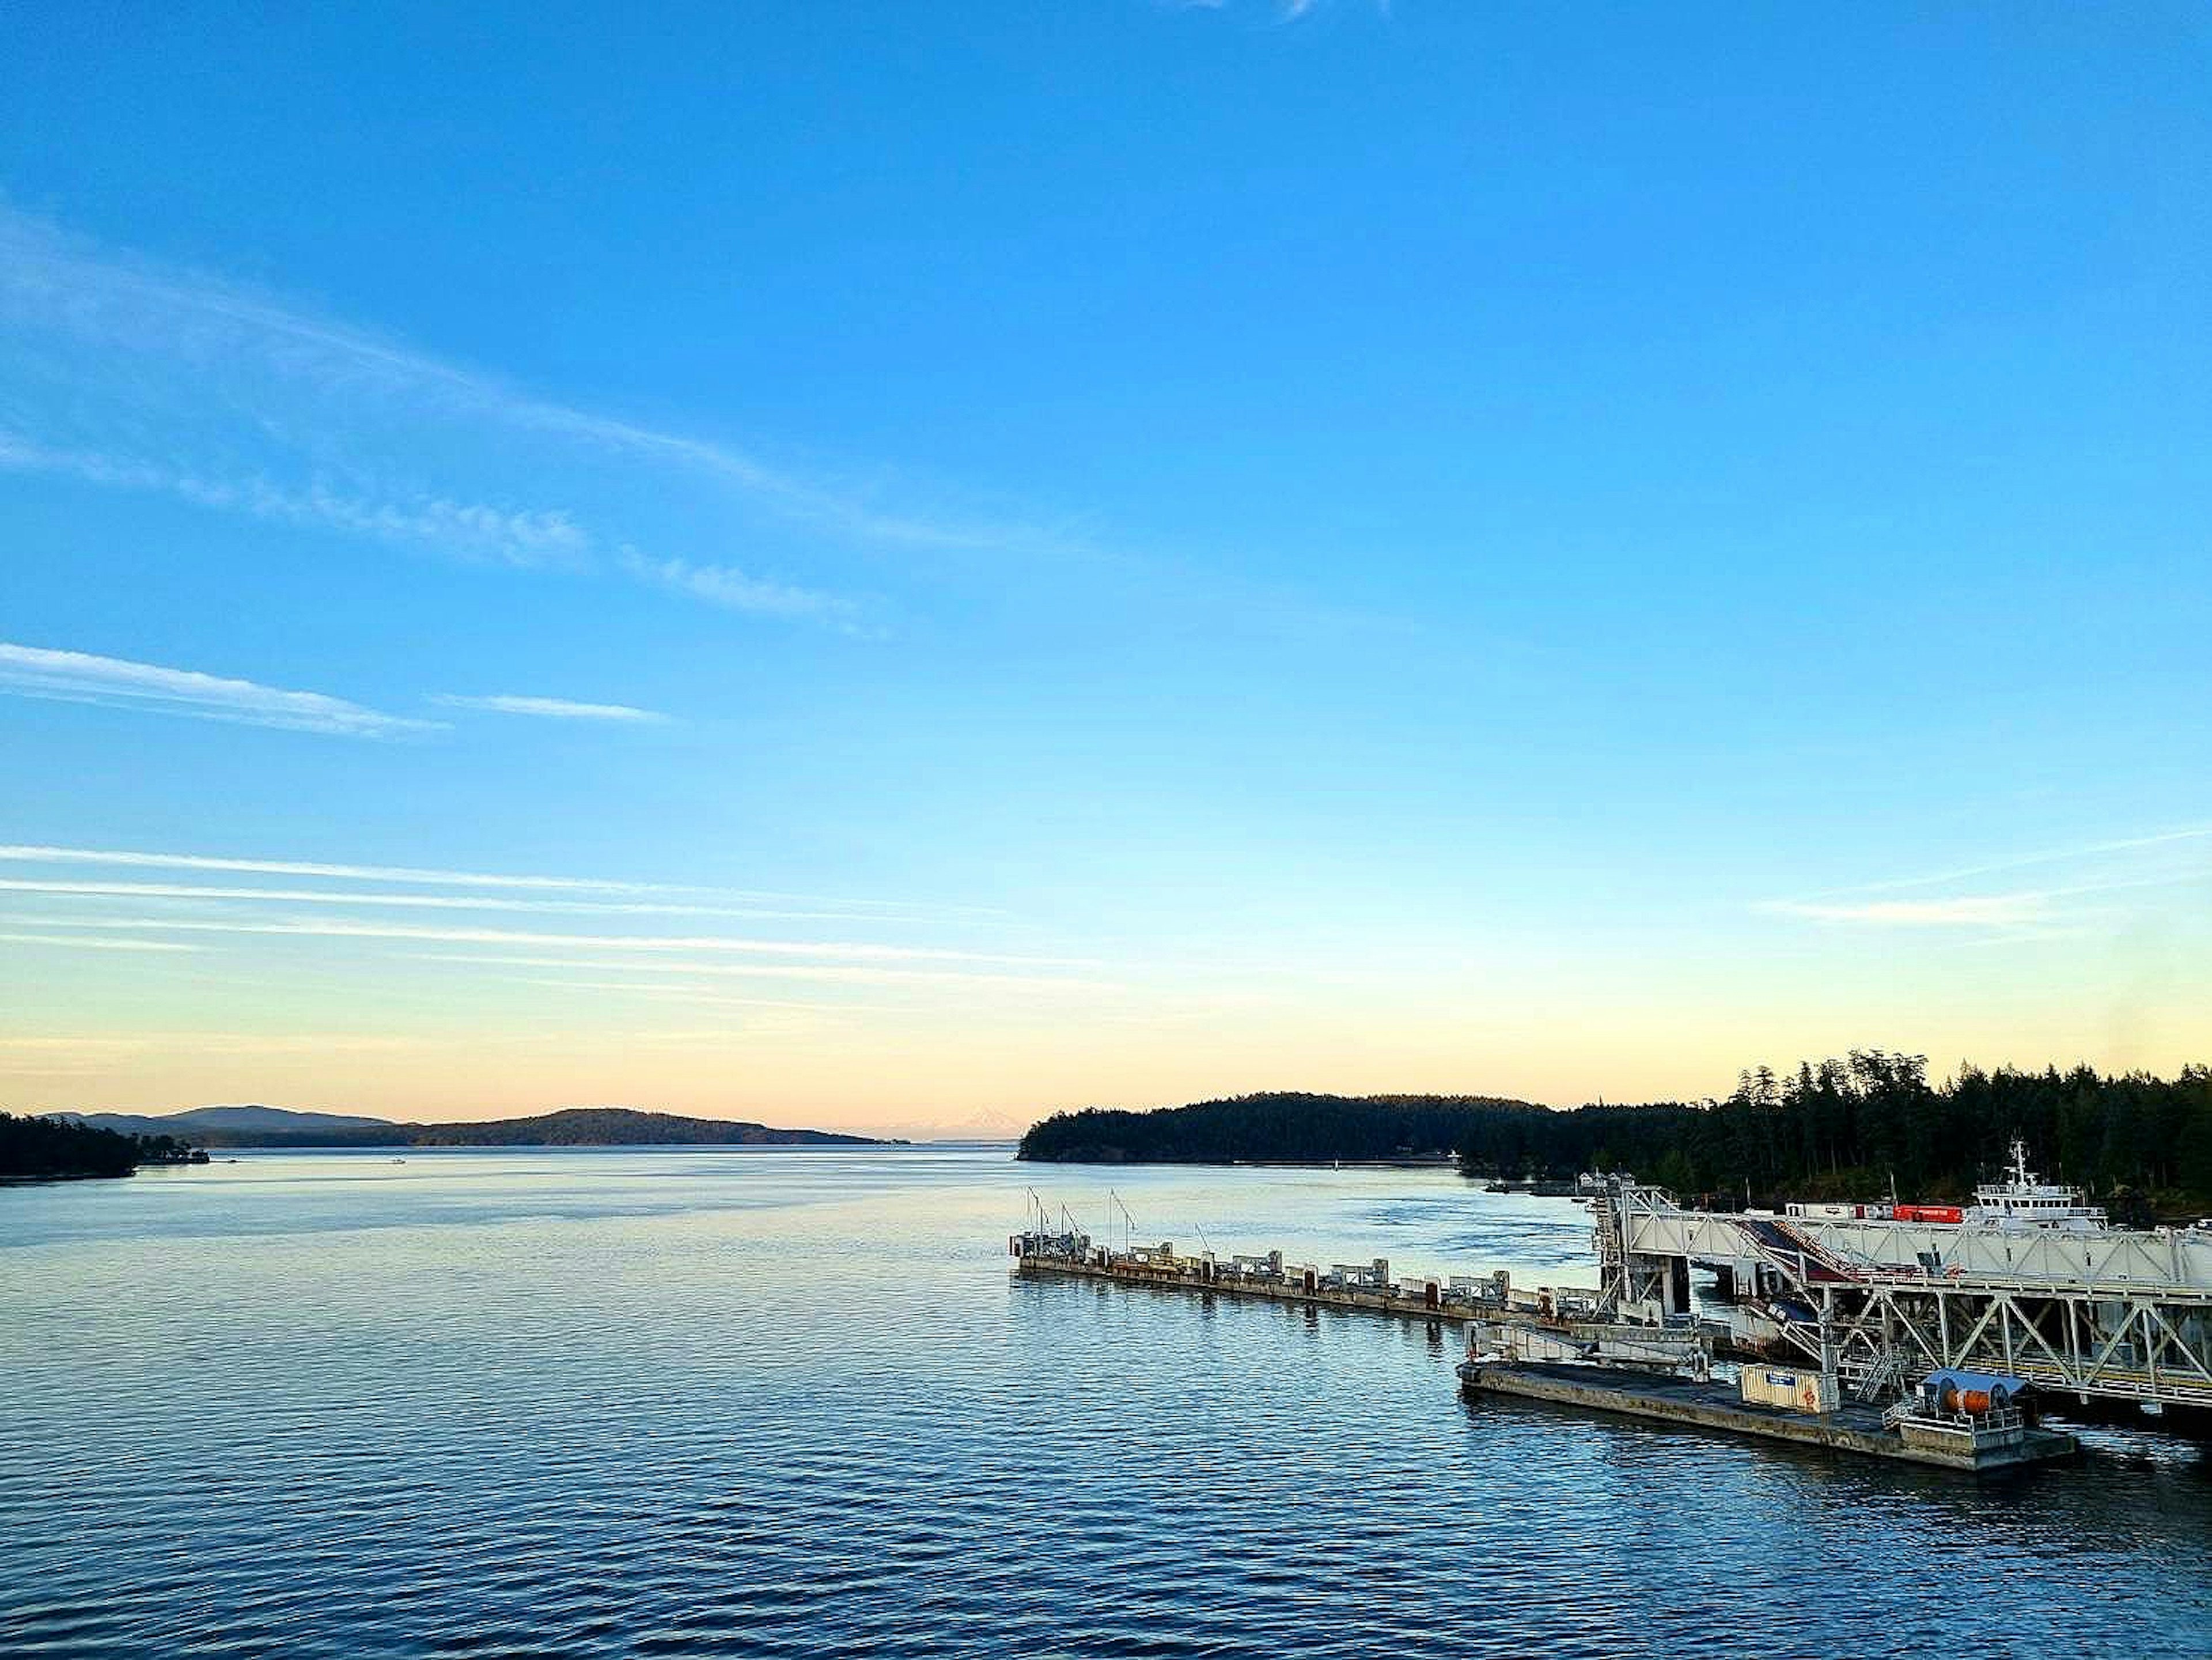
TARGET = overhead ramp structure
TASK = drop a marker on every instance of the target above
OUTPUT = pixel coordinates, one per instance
(2113, 1313)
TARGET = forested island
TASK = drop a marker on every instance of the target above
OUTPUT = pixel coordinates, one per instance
(574, 1126)
(1842, 1127)
(608, 1127)
(55, 1149)
(1279, 1129)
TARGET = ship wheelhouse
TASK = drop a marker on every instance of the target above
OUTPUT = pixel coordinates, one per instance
(2021, 1201)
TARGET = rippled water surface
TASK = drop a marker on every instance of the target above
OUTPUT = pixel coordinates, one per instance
(790, 1403)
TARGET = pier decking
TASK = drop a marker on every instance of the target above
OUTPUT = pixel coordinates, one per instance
(1185, 1277)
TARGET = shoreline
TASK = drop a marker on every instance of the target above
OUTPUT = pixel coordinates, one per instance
(1445, 1163)
(44, 1177)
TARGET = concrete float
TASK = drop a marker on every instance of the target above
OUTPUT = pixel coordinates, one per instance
(1956, 1442)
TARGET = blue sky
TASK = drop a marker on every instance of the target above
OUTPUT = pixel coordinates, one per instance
(988, 558)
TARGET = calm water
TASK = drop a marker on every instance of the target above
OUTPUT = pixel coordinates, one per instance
(790, 1403)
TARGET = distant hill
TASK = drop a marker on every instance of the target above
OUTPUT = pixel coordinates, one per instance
(1279, 1128)
(203, 1121)
(575, 1127)
(620, 1127)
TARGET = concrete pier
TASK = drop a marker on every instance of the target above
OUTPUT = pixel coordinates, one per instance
(1437, 1301)
(1571, 1313)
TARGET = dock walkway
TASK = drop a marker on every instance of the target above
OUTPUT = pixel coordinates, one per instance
(1445, 1306)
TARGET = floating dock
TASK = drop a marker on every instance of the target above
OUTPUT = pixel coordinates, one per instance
(1997, 1443)
(1431, 1302)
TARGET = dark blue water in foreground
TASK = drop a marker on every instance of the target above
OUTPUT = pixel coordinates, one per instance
(774, 1403)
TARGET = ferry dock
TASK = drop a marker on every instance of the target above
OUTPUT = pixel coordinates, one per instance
(1982, 1317)
(1557, 1345)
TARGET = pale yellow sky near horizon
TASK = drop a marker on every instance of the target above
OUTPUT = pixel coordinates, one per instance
(155, 983)
(871, 1071)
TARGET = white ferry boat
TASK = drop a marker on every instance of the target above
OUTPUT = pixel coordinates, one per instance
(2021, 1201)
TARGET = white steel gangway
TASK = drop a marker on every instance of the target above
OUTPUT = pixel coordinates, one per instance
(2122, 1314)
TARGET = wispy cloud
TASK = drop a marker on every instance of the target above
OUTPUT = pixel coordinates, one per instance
(551, 709)
(830, 950)
(2116, 864)
(733, 590)
(2087, 850)
(246, 1042)
(94, 942)
(81, 677)
(522, 537)
(856, 909)
(1985, 910)
(202, 894)
(24, 853)
(825, 972)
(715, 995)
(1282, 11)
(144, 377)
(513, 537)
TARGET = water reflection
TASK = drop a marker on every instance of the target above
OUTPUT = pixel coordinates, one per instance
(617, 1403)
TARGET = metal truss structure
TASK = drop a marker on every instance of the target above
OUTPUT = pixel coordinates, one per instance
(2120, 1314)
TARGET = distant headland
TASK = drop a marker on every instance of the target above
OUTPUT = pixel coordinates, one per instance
(60, 1150)
(573, 1127)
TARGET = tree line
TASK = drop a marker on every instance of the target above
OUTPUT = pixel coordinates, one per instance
(1282, 1127)
(1851, 1127)
(1858, 1126)
(49, 1149)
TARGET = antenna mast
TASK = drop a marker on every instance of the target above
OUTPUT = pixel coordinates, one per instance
(1129, 1222)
